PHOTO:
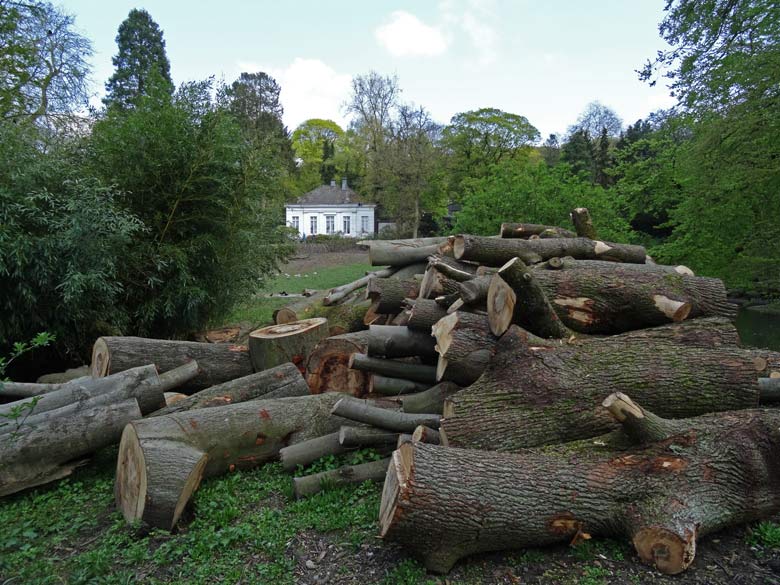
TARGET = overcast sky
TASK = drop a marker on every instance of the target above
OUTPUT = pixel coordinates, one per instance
(543, 60)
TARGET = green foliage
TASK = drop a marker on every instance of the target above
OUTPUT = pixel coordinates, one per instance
(408, 572)
(530, 191)
(20, 412)
(765, 534)
(315, 144)
(141, 62)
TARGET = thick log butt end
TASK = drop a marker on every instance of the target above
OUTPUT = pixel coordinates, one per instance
(669, 552)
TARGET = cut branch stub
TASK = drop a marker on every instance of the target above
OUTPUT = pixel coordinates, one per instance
(580, 217)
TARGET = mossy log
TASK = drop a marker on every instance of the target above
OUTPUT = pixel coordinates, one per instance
(328, 367)
(583, 224)
(218, 362)
(694, 477)
(282, 381)
(498, 251)
(292, 342)
(527, 390)
(345, 316)
(162, 460)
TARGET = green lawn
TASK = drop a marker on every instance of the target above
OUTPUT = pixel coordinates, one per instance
(259, 310)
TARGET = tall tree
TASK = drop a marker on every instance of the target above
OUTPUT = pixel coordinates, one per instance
(551, 150)
(43, 62)
(314, 142)
(578, 153)
(141, 56)
(602, 160)
(595, 117)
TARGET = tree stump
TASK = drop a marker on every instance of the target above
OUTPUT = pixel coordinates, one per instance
(291, 342)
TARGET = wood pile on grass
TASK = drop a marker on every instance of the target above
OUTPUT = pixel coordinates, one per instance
(541, 386)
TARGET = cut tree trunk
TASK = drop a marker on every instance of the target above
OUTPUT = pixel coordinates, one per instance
(355, 437)
(436, 283)
(475, 291)
(302, 308)
(282, 381)
(583, 224)
(402, 252)
(384, 418)
(525, 230)
(527, 390)
(393, 341)
(409, 271)
(424, 314)
(218, 362)
(393, 368)
(17, 390)
(309, 451)
(423, 434)
(498, 251)
(328, 366)
(465, 345)
(394, 386)
(430, 401)
(39, 454)
(348, 474)
(162, 460)
(452, 268)
(388, 294)
(568, 263)
(698, 476)
(292, 342)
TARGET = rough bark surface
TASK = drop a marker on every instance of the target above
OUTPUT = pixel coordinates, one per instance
(218, 362)
(292, 342)
(328, 366)
(162, 460)
(402, 252)
(527, 391)
(465, 345)
(339, 293)
(313, 484)
(282, 381)
(475, 291)
(432, 400)
(568, 263)
(526, 230)
(425, 313)
(388, 294)
(498, 251)
(392, 341)
(384, 418)
(394, 386)
(718, 471)
(393, 368)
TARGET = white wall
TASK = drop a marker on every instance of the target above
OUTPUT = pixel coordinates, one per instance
(354, 212)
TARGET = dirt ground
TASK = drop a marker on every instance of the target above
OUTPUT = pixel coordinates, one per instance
(307, 262)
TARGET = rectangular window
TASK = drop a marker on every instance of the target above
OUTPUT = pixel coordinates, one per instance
(330, 224)
(347, 224)
(313, 225)
(296, 222)
(364, 224)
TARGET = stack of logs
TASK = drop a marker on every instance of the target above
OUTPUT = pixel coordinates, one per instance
(536, 387)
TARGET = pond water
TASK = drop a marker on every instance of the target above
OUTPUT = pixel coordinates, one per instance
(760, 326)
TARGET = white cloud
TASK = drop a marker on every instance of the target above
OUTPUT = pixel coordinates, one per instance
(310, 89)
(476, 20)
(405, 35)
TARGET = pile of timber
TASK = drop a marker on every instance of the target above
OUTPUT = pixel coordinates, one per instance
(536, 387)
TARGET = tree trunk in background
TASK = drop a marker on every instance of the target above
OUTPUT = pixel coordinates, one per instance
(218, 362)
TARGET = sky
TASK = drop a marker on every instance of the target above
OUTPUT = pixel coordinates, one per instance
(543, 60)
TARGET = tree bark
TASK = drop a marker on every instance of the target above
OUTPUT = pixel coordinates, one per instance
(402, 422)
(388, 294)
(498, 251)
(311, 450)
(465, 345)
(328, 366)
(475, 291)
(568, 263)
(425, 313)
(394, 386)
(430, 401)
(710, 473)
(435, 283)
(583, 224)
(525, 230)
(393, 368)
(348, 474)
(452, 268)
(343, 317)
(282, 381)
(355, 437)
(218, 362)
(526, 390)
(162, 460)
(17, 390)
(339, 293)
(292, 342)
(423, 434)
(402, 252)
(515, 296)
(393, 341)
(39, 454)
(302, 308)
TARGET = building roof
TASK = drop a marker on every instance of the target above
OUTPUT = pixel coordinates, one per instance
(330, 195)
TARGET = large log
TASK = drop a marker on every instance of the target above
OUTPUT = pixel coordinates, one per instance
(41, 453)
(348, 474)
(424, 314)
(218, 362)
(328, 366)
(452, 268)
(498, 251)
(436, 283)
(309, 451)
(475, 291)
(17, 390)
(282, 381)
(527, 390)
(697, 476)
(384, 418)
(569, 263)
(366, 437)
(343, 317)
(393, 341)
(526, 230)
(431, 400)
(465, 345)
(402, 252)
(301, 308)
(583, 224)
(291, 342)
(388, 294)
(386, 386)
(162, 460)
(393, 368)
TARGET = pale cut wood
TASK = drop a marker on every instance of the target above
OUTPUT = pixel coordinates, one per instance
(291, 342)
(328, 366)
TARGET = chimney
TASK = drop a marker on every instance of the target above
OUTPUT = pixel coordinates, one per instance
(344, 184)
(333, 183)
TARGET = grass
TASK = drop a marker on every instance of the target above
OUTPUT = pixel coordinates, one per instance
(259, 310)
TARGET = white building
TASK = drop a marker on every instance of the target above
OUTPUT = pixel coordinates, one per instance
(329, 209)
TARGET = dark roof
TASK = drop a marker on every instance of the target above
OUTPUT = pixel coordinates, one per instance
(329, 195)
